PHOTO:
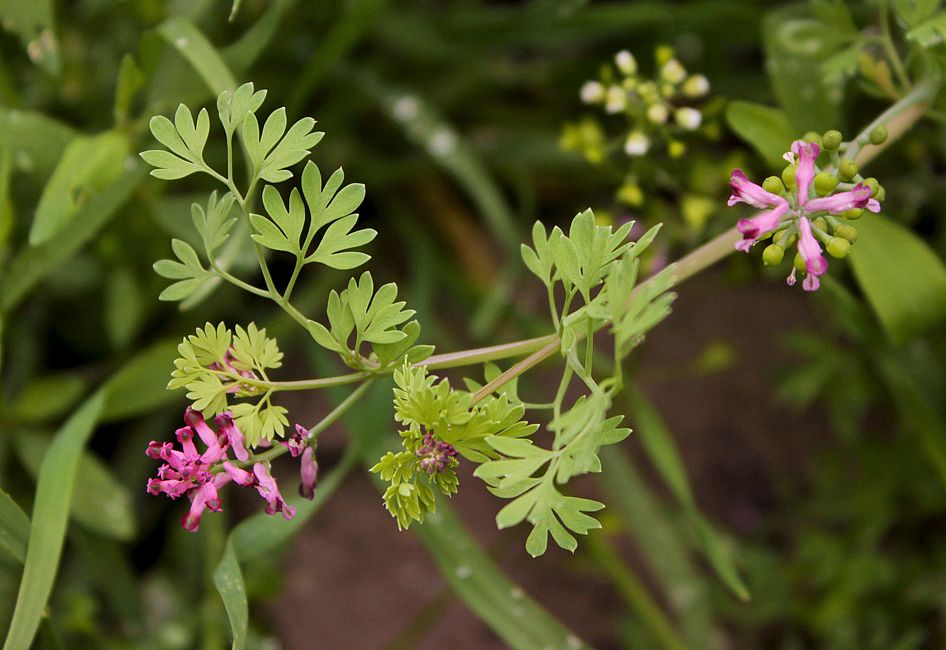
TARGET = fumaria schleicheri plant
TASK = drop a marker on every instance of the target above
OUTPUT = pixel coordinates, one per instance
(589, 272)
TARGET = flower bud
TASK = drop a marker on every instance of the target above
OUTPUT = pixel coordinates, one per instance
(592, 92)
(774, 185)
(626, 62)
(788, 176)
(630, 194)
(832, 139)
(825, 183)
(873, 185)
(878, 135)
(820, 223)
(847, 232)
(688, 118)
(812, 136)
(881, 194)
(853, 213)
(658, 113)
(838, 247)
(673, 71)
(847, 170)
(696, 86)
(616, 100)
(772, 255)
(676, 148)
(799, 262)
(637, 144)
(663, 54)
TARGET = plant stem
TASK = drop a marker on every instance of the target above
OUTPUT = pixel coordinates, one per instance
(898, 119)
(318, 428)
(891, 49)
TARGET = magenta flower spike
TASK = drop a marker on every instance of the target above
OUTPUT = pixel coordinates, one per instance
(791, 216)
(227, 427)
(298, 441)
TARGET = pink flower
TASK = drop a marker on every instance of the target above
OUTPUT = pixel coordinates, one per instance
(435, 455)
(792, 215)
(234, 436)
(309, 471)
(267, 488)
(297, 441)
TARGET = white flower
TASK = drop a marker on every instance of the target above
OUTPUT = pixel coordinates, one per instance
(636, 144)
(626, 62)
(673, 71)
(688, 118)
(696, 86)
(616, 100)
(658, 113)
(592, 92)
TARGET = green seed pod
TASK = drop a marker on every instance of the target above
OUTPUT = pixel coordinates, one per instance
(811, 136)
(788, 177)
(847, 170)
(838, 247)
(774, 185)
(825, 183)
(799, 262)
(878, 134)
(772, 255)
(832, 139)
(847, 232)
(873, 185)
(853, 213)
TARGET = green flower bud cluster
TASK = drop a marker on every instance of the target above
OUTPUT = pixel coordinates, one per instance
(658, 109)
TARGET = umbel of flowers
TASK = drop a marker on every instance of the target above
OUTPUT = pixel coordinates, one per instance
(808, 206)
(188, 472)
(657, 109)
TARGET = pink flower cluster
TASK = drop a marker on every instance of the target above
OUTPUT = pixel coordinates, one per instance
(199, 475)
(435, 455)
(796, 210)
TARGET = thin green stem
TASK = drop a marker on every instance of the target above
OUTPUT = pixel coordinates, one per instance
(892, 55)
(232, 279)
(315, 430)
(898, 119)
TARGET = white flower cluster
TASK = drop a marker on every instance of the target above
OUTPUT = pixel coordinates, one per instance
(649, 103)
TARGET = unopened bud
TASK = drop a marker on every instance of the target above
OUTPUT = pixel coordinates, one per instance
(847, 170)
(832, 139)
(853, 213)
(658, 113)
(838, 247)
(799, 262)
(676, 148)
(825, 183)
(812, 136)
(847, 232)
(616, 100)
(881, 194)
(772, 255)
(788, 176)
(878, 134)
(873, 184)
(673, 71)
(774, 185)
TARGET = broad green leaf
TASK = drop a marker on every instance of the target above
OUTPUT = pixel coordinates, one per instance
(88, 164)
(139, 385)
(190, 42)
(903, 279)
(660, 537)
(228, 579)
(766, 129)
(14, 528)
(36, 262)
(663, 452)
(35, 140)
(797, 44)
(55, 486)
(103, 504)
(49, 397)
